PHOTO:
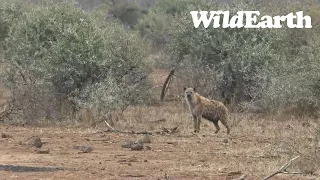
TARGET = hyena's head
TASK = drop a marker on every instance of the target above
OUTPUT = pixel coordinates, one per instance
(189, 93)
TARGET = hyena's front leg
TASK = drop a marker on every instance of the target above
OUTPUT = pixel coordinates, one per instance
(198, 123)
(195, 123)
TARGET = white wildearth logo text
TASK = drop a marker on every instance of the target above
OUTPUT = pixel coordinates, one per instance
(296, 20)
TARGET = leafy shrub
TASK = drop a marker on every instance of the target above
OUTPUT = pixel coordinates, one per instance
(128, 13)
(273, 68)
(156, 25)
(60, 46)
(239, 58)
(10, 10)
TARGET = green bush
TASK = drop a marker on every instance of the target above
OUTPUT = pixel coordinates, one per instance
(128, 13)
(241, 58)
(57, 43)
(127, 82)
(61, 46)
(10, 11)
(274, 68)
(156, 25)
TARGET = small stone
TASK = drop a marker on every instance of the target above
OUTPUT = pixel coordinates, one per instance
(4, 135)
(83, 149)
(305, 124)
(144, 139)
(147, 147)
(136, 147)
(36, 142)
(225, 140)
(127, 145)
(43, 151)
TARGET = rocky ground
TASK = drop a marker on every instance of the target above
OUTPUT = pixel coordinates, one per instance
(254, 149)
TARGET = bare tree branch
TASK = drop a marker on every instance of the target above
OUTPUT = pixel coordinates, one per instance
(166, 84)
(241, 177)
(283, 169)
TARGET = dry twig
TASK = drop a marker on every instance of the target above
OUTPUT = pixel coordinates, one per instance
(241, 177)
(283, 169)
(164, 130)
(109, 126)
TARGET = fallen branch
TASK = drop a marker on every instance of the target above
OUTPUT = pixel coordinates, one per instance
(128, 132)
(168, 130)
(109, 126)
(164, 130)
(283, 169)
(241, 177)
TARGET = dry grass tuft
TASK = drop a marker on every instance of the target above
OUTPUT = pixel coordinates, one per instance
(257, 145)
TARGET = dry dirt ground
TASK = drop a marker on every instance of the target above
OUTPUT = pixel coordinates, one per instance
(257, 147)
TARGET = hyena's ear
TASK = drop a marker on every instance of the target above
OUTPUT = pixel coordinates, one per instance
(194, 89)
(184, 89)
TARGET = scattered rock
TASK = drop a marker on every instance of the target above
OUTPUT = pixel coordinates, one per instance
(36, 142)
(4, 135)
(43, 151)
(83, 149)
(225, 140)
(147, 147)
(136, 147)
(128, 144)
(144, 139)
(288, 127)
(138, 144)
(305, 124)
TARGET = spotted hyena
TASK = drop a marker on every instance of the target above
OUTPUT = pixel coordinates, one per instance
(201, 107)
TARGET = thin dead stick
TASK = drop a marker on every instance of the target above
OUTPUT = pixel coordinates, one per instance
(109, 126)
(164, 130)
(241, 177)
(283, 169)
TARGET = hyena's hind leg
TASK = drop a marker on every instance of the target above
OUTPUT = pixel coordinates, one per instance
(217, 126)
(224, 121)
